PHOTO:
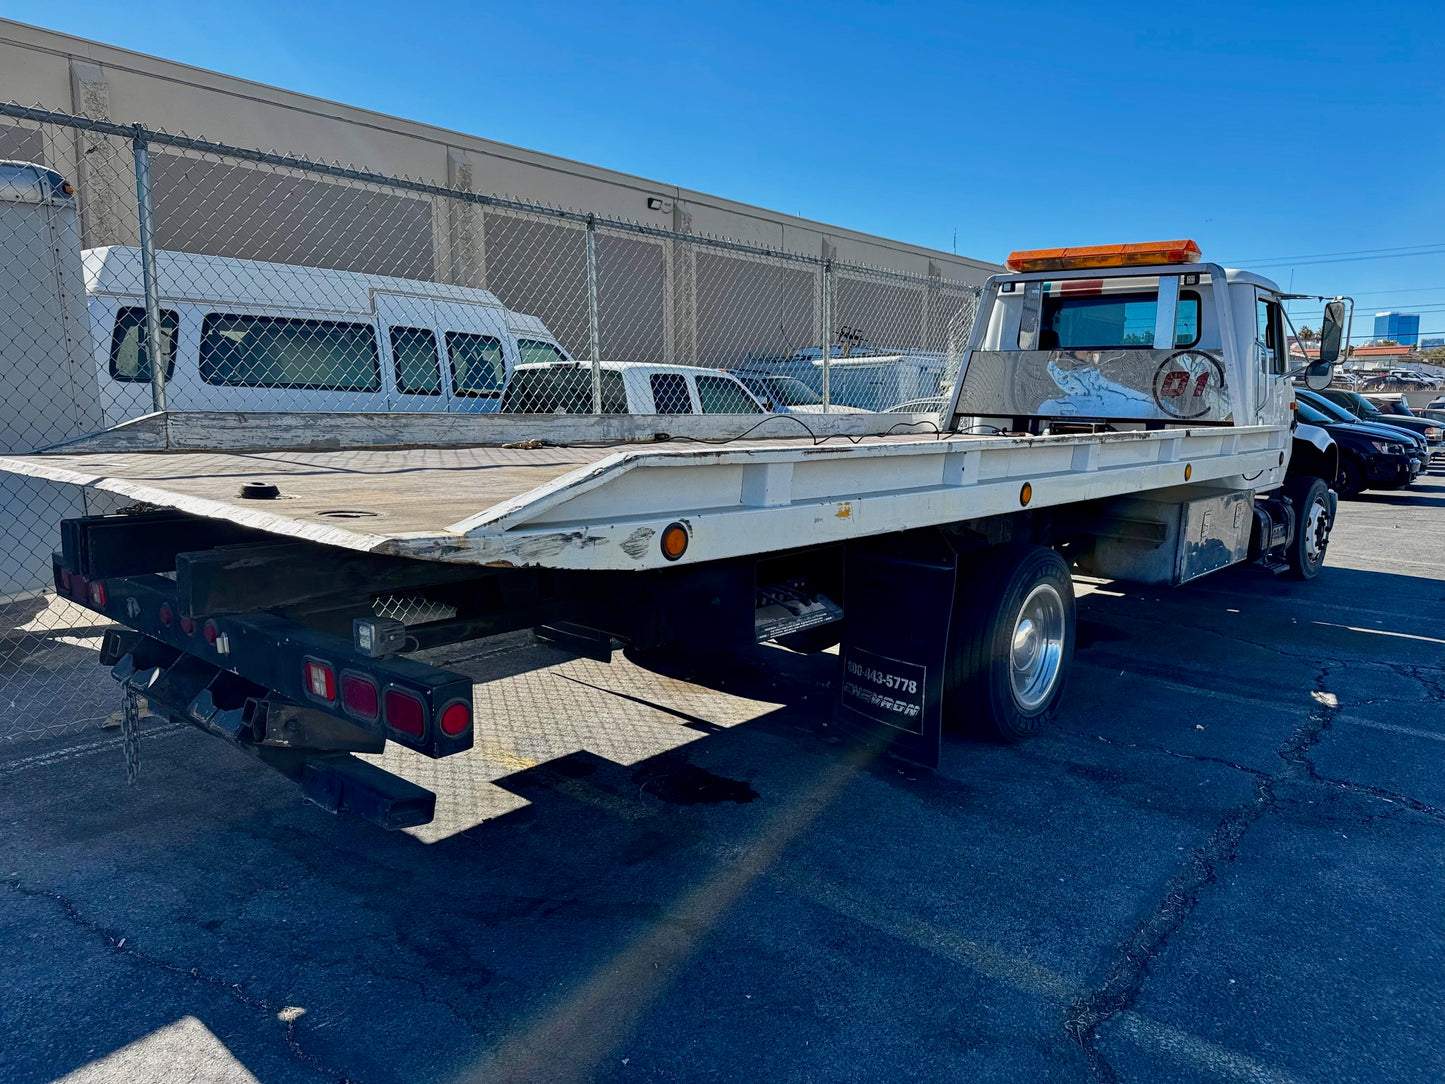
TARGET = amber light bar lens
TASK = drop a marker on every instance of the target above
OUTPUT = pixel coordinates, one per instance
(1147, 254)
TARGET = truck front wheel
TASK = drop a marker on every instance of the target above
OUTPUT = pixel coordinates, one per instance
(1313, 519)
(1013, 642)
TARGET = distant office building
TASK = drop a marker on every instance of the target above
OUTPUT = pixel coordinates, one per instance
(1400, 327)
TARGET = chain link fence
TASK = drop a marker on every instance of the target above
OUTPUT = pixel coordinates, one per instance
(268, 282)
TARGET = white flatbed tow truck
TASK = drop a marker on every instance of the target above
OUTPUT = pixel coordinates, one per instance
(1127, 410)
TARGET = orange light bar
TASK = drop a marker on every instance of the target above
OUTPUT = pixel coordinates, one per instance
(1150, 253)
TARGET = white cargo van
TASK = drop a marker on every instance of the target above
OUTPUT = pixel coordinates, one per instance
(249, 335)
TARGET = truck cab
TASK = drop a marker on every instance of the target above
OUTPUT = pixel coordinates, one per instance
(1134, 337)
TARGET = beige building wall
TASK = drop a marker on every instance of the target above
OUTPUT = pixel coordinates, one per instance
(71, 74)
(659, 300)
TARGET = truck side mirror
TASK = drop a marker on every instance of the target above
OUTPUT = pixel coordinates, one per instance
(1319, 375)
(1332, 331)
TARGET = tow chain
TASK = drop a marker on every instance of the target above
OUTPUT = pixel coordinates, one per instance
(130, 734)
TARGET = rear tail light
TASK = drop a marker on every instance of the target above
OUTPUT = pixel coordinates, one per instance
(188, 626)
(65, 581)
(97, 594)
(455, 719)
(166, 615)
(210, 632)
(405, 713)
(360, 697)
(319, 680)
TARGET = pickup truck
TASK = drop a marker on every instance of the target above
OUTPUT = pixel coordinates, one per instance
(624, 387)
(1125, 410)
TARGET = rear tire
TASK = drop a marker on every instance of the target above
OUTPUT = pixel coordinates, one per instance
(1351, 479)
(1012, 642)
(1313, 521)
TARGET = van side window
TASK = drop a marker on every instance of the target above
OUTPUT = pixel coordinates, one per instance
(280, 352)
(129, 355)
(530, 350)
(418, 372)
(669, 393)
(719, 395)
(477, 366)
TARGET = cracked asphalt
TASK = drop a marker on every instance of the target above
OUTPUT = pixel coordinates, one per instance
(1224, 864)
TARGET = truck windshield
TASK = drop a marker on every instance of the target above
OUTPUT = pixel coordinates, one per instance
(791, 391)
(1075, 321)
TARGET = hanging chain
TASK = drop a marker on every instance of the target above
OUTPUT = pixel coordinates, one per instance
(130, 733)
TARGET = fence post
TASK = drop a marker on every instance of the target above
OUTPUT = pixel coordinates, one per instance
(594, 335)
(827, 335)
(148, 269)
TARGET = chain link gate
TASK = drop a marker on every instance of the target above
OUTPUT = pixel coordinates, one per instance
(265, 282)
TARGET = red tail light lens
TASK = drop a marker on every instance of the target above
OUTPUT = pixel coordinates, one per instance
(210, 632)
(319, 680)
(97, 594)
(166, 615)
(456, 718)
(188, 626)
(360, 697)
(405, 713)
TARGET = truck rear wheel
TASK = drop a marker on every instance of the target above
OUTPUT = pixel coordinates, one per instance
(1313, 520)
(1013, 642)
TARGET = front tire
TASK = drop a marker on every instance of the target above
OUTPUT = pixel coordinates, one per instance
(1313, 521)
(1012, 642)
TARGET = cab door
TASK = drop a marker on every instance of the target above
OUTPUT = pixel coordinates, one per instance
(1271, 361)
(411, 352)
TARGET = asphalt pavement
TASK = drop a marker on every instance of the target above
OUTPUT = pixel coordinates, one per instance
(1225, 863)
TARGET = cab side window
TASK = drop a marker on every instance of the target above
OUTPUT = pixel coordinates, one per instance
(669, 393)
(1269, 332)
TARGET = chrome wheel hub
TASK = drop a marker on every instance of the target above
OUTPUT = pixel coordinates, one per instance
(1037, 649)
(1316, 529)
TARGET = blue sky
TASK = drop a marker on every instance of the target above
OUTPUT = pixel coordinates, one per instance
(1266, 131)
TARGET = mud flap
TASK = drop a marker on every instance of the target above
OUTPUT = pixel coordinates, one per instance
(899, 602)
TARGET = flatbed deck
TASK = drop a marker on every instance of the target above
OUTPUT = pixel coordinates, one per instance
(603, 505)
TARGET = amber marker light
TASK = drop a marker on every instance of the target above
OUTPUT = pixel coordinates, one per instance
(674, 541)
(1027, 493)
